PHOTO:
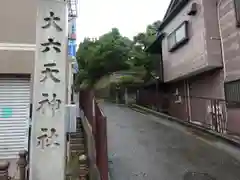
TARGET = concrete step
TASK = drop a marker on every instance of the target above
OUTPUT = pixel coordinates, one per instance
(77, 147)
(79, 125)
(76, 140)
(77, 153)
(76, 135)
(80, 129)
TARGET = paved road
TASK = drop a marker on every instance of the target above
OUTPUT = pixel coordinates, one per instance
(141, 148)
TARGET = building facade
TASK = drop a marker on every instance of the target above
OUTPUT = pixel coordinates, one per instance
(17, 54)
(199, 44)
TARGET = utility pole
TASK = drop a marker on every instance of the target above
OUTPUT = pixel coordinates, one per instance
(48, 137)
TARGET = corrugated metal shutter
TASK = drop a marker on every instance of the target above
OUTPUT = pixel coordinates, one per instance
(14, 114)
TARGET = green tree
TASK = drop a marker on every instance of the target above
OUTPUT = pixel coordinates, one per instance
(103, 60)
(140, 42)
(102, 56)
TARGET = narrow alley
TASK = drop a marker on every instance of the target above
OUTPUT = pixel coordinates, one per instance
(142, 147)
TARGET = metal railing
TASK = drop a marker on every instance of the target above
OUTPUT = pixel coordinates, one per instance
(214, 114)
(98, 124)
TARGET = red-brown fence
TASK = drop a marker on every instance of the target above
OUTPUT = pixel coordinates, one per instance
(217, 115)
(97, 120)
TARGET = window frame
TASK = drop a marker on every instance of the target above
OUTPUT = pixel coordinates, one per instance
(178, 97)
(181, 42)
(237, 12)
(231, 94)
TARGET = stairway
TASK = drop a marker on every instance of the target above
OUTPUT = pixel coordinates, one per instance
(76, 141)
(77, 163)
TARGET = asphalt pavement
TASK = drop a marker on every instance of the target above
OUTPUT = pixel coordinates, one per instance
(145, 147)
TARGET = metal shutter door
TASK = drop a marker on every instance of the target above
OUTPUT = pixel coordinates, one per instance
(14, 114)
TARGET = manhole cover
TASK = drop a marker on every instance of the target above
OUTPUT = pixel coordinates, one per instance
(197, 176)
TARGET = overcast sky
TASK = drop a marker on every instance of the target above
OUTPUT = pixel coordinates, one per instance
(97, 17)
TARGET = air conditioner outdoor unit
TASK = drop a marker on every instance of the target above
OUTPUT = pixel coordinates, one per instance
(71, 118)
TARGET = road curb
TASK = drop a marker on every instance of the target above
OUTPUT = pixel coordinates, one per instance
(185, 123)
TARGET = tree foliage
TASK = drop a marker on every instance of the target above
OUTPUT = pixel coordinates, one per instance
(103, 57)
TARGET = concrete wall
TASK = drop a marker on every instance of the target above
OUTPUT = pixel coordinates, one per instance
(200, 53)
(17, 37)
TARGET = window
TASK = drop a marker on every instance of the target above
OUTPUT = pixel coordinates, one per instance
(232, 93)
(237, 12)
(178, 98)
(178, 37)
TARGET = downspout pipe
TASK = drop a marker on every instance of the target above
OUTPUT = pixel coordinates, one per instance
(223, 55)
(221, 38)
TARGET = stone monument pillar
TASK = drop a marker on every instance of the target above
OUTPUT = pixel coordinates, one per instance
(48, 138)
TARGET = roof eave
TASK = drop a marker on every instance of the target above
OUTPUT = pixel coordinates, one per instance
(173, 13)
(170, 7)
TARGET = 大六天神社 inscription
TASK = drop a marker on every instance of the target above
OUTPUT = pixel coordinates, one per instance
(54, 103)
(51, 43)
(48, 138)
(52, 20)
(49, 72)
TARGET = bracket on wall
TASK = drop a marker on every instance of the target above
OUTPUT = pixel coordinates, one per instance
(193, 10)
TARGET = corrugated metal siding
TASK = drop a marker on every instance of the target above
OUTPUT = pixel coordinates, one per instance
(15, 99)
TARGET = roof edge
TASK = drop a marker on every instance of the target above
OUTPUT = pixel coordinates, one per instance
(173, 13)
(170, 7)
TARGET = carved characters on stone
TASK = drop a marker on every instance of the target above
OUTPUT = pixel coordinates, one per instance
(47, 138)
(49, 72)
(51, 20)
(51, 43)
(54, 103)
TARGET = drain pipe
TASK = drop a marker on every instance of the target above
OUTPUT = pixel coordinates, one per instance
(221, 38)
(223, 58)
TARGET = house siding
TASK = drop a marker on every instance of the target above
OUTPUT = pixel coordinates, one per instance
(231, 40)
(200, 68)
(196, 92)
(178, 109)
(213, 43)
(18, 19)
(195, 69)
(17, 37)
(231, 53)
(199, 54)
(202, 90)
